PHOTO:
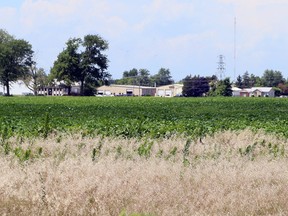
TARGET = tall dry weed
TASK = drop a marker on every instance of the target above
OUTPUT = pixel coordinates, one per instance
(104, 176)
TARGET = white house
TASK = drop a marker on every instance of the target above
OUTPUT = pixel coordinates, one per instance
(254, 92)
(236, 91)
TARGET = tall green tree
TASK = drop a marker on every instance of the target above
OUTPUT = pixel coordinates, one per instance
(130, 77)
(129, 74)
(246, 82)
(272, 78)
(239, 82)
(163, 77)
(15, 59)
(82, 61)
(222, 88)
(135, 77)
(195, 86)
(144, 77)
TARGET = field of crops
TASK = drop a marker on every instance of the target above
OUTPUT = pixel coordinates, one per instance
(140, 117)
(132, 156)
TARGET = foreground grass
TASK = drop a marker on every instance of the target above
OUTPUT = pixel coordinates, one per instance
(231, 173)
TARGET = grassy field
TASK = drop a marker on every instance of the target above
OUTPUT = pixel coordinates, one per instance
(143, 156)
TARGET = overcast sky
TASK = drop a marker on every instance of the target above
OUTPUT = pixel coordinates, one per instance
(185, 36)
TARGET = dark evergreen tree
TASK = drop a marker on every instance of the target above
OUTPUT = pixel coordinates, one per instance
(195, 86)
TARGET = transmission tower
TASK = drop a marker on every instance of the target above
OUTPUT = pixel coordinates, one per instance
(221, 67)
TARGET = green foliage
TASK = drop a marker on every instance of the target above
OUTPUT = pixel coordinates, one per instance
(21, 154)
(261, 148)
(46, 128)
(222, 88)
(142, 117)
(272, 78)
(163, 77)
(15, 58)
(144, 150)
(186, 152)
(97, 151)
(82, 61)
(195, 86)
(142, 77)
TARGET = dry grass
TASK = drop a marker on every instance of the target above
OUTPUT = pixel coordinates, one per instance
(82, 176)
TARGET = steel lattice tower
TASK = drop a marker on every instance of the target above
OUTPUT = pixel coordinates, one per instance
(221, 67)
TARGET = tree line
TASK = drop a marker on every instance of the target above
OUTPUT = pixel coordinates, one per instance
(142, 77)
(83, 60)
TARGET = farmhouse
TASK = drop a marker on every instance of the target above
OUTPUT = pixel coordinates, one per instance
(169, 90)
(254, 92)
(59, 90)
(126, 90)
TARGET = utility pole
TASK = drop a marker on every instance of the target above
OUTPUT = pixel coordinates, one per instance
(235, 25)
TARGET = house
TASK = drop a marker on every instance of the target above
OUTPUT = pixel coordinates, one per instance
(125, 90)
(254, 92)
(236, 91)
(59, 90)
(169, 90)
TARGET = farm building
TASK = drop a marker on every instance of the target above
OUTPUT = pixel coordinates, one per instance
(169, 90)
(59, 90)
(254, 92)
(236, 91)
(126, 90)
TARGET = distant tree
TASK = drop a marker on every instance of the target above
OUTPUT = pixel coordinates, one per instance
(130, 77)
(253, 80)
(131, 73)
(239, 82)
(283, 88)
(144, 77)
(35, 78)
(82, 61)
(222, 88)
(277, 91)
(195, 86)
(246, 82)
(15, 59)
(258, 82)
(272, 78)
(163, 77)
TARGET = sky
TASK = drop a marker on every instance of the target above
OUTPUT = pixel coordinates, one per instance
(185, 36)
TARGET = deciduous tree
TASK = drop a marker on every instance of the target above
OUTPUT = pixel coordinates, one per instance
(15, 59)
(163, 77)
(82, 61)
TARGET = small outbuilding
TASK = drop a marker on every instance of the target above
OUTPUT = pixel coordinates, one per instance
(172, 90)
(236, 91)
